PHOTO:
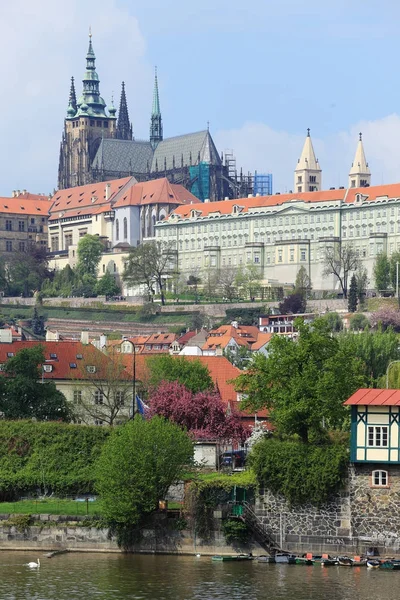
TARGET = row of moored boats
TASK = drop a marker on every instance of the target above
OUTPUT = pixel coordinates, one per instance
(390, 564)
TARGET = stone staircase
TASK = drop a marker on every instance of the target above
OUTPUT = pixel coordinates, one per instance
(259, 530)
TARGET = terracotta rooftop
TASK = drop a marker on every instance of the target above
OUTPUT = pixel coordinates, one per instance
(38, 205)
(248, 204)
(374, 397)
(155, 191)
(61, 355)
(91, 196)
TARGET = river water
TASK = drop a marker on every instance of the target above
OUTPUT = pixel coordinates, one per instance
(116, 576)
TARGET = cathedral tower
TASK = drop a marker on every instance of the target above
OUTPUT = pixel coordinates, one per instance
(124, 126)
(85, 125)
(360, 174)
(308, 173)
(156, 129)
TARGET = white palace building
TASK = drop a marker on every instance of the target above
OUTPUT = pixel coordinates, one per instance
(282, 232)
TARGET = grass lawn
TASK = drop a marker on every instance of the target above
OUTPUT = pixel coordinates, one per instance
(52, 506)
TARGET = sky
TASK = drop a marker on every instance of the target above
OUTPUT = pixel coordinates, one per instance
(260, 72)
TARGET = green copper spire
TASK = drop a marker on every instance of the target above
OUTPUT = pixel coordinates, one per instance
(72, 107)
(91, 103)
(156, 129)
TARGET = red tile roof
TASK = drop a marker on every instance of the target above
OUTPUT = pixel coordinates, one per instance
(22, 206)
(81, 198)
(245, 204)
(61, 355)
(244, 335)
(374, 397)
(156, 191)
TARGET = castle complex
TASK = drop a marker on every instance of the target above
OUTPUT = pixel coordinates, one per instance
(97, 145)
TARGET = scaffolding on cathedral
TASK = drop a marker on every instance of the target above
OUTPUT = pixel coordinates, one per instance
(200, 180)
(262, 184)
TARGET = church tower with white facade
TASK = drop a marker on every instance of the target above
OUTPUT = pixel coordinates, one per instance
(360, 174)
(308, 173)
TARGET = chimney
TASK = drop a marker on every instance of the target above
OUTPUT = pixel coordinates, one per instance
(103, 341)
(85, 338)
(24, 191)
(108, 191)
(14, 193)
(206, 200)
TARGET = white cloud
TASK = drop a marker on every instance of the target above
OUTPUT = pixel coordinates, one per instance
(259, 147)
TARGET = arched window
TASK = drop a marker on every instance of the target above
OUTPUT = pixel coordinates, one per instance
(380, 478)
(117, 230)
(125, 228)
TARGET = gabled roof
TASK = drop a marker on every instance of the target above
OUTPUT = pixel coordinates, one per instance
(191, 146)
(244, 335)
(61, 355)
(374, 397)
(155, 191)
(262, 339)
(89, 198)
(19, 205)
(123, 156)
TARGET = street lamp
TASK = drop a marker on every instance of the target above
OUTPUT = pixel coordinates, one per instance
(134, 408)
(387, 371)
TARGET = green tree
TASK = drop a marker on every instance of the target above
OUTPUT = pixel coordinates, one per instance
(107, 286)
(382, 272)
(362, 283)
(25, 270)
(394, 259)
(359, 322)
(90, 249)
(375, 350)
(302, 284)
(352, 303)
(340, 262)
(240, 358)
(193, 282)
(23, 396)
(227, 283)
(302, 383)
(333, 321)
(248, 281)
(191, 373)
(150, 264)
(137, 465)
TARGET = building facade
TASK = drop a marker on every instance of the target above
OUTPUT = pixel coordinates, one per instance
(23, 222)
(280, 233)
(98, 146)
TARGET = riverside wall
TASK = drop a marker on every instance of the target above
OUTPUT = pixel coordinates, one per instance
(360, 517)
(53, 532)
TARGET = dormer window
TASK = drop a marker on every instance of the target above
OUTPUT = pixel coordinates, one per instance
(10, 354)
(91, 369)
(47, 368)
(380, 478)
(53, 355)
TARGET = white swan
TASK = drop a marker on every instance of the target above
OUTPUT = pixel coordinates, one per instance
(33, 565)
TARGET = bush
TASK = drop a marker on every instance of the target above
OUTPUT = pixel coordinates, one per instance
(236, 532)
(245, 316)
(301, 472)
(44, 458)
(359, 322)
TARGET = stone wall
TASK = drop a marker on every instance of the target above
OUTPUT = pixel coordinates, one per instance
(53, 532)
(359, 517)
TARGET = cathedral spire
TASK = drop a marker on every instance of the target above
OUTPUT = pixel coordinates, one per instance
(307, 175)
(91, 103)
(72, 107)
(156, 130)
(124, 127)
(360, 174)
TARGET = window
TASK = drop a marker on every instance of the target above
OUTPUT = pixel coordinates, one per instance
(72, 365)
(98, 397)
(77, 396)
(8, 246)
(32, 221)
(8, 225)
(125, 228)
(98, 422)
(91, 369)
(10, 354)
(380, 478)
(117, 230)
(378, 436)
(68, 240)
(21, 246)
(21, 225)
(54, 243)
(119, 398)
(303, 254)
